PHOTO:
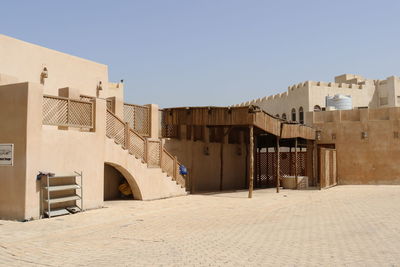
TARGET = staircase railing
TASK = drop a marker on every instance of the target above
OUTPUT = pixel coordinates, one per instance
(138, 118)
(170, 165)
(149, 151)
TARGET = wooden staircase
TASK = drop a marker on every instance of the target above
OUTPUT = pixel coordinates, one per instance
(148, 150)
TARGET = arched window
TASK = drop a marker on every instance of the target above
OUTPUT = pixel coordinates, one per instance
(317, 108)
(277, 115)
(293, 114)
(301, 115)
(284, 116)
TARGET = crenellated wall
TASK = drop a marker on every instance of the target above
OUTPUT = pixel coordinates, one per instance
(309, 94)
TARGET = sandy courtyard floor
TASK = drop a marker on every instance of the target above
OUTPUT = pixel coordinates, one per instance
(344, 225)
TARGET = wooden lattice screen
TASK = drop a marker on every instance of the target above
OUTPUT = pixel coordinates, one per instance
(60, 111)
(266, 167)
(153, 153)
(167, 130)
(115, 128)
(138, 118)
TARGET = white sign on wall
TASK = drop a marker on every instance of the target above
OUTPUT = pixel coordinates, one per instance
(6, 154)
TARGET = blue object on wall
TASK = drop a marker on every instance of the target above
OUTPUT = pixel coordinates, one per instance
(183, 170)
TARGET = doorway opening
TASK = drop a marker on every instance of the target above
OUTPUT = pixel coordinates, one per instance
(116, 187)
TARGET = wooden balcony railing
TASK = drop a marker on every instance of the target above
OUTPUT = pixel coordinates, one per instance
(61, 111)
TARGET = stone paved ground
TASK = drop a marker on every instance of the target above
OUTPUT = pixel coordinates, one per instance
(345, 225)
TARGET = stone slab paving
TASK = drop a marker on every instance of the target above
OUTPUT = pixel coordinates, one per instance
(341, 226)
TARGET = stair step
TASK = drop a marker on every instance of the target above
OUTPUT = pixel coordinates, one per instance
(57, 212)
(62, 187)
(62, 199)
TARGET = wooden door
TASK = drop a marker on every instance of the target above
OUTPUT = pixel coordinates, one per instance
(327, 167)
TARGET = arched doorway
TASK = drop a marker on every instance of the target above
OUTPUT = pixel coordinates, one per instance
(301, 115)
(293, 114)
(317, 108)
(115, 185)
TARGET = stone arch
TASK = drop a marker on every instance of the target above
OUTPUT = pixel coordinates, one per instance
(317, 108)
(137, 194)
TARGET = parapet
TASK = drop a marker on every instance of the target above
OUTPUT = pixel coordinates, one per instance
(349, 78)
(391, 113)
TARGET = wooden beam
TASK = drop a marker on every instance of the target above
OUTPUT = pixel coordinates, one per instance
(277, 165)
(251, 154)
(296, 164)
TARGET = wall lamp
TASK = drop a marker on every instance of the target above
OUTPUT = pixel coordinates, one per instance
(318, 135)
(43, 75)
(100, 86)
(206, 150)
(364, 135)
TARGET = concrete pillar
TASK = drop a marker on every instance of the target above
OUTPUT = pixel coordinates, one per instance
(69, 92)
(154, 121)
(33, 149)
(118, 105)
(21, 119)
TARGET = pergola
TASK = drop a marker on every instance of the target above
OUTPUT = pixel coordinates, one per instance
(264, 129)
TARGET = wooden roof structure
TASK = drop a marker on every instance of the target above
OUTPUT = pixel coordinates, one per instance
(237, 116)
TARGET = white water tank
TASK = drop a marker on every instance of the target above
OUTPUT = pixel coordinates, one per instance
(339, 101)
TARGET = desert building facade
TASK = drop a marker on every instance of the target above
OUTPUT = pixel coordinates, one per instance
(61, 115)
(367, 143)
(311, 96)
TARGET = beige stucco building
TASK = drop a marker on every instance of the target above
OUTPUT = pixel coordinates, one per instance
(60, 114)
(310, 95)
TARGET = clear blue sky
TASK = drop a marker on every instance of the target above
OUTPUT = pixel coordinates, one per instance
(215, 52)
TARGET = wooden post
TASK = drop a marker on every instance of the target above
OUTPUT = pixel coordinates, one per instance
(315, 163)
(296, 164)
(126, 136)
(221, 174)
(259, 168)
(277, 165)
(161, 152)
(256, 157)
(145, 150)
(251, 152)
(290, 160)
(175, 168)
(266, 167)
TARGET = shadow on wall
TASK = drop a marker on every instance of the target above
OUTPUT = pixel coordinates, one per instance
(116, 187)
